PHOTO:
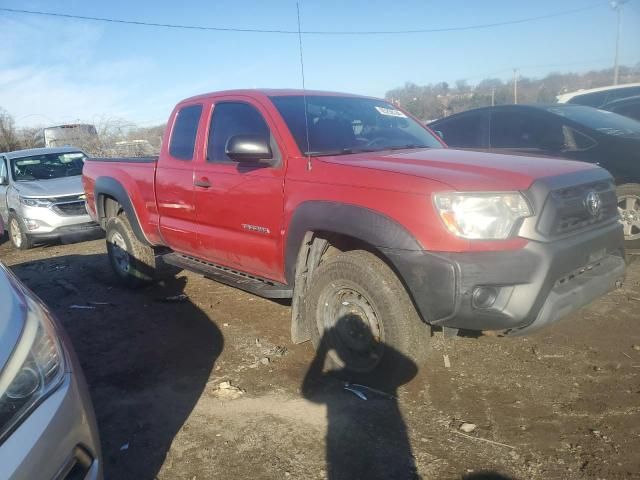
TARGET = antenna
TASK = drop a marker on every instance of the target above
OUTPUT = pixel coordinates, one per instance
(304, 90)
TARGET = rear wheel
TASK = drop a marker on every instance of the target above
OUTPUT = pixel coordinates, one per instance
(362, 318)
(17, 234)
(133, 261)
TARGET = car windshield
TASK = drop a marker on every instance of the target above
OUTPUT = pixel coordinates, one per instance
(605, 122)
(342, 125)
(47, 166)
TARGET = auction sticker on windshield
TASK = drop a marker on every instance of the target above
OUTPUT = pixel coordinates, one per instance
(391, 112)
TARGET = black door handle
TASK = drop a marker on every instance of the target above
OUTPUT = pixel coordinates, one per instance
(203, 182)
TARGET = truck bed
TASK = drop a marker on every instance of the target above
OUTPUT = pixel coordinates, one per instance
(133, 175)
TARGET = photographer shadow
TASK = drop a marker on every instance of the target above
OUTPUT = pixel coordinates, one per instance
(147, 355)
(366, 439)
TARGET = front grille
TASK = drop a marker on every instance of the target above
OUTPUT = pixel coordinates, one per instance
(70, 209)
(566, 212)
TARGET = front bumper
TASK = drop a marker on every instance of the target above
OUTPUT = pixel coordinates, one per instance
(59, 437)
(534, 286)
(46, 222)
(89, 228)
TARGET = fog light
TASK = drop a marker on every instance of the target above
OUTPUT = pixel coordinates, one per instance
(484, 297)
(31, 224)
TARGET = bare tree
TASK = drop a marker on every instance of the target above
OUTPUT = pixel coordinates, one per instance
(433, 101)
(8, 136)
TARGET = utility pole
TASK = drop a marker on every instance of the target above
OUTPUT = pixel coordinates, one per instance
(493, 97)
(515, 86)
(617, 6)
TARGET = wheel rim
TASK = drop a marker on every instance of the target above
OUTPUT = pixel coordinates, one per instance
(16, 234)
(629, 211)
(354, 330)
(119, 252)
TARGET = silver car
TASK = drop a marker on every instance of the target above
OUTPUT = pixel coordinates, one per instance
(47, 425)
(41, 195)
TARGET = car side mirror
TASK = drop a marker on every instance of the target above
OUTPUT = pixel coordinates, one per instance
(248, 148)
(439, 133)
(4, 180)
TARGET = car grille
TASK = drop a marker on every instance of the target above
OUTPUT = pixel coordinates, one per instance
(69, 206)
(566, 212)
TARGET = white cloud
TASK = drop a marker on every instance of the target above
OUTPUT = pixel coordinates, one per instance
(50, 72)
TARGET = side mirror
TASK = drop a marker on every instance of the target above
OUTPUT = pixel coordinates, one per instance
(439, 133)
(248, 148)
(4, 181)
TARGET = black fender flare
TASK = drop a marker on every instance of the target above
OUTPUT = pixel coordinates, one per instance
(355, 221)
(110, 187)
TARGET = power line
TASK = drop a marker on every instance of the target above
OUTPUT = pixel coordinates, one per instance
(308, 32)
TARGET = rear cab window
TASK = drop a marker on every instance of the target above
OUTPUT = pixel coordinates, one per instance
(185, 131)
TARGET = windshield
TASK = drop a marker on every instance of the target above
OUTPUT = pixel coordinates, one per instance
(47, 166)
(602, 121)
(343, 125)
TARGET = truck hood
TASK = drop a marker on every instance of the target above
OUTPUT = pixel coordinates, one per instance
(12, 314)
(54, 187)
(462, 169)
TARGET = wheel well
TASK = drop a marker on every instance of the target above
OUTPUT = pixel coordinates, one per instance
(110, 207)
(316, 247)
(338, 243)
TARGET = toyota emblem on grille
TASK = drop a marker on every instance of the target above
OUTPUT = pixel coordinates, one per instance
(593, 203)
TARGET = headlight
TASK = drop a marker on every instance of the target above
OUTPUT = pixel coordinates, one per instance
(35, 202)
(488, 216)
(35, 368)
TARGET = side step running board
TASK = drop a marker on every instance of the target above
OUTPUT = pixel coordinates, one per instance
(233, 278)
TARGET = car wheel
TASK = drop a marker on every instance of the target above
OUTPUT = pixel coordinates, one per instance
(133, 261)
(363, 320)
(629, 210)
(17, 234)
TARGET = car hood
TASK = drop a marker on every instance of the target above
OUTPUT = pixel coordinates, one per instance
(54, 187)
(464, 169)
(13, 311)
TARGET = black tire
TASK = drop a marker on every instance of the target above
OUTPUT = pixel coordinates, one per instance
(390, 343)
(133, 262)
(630, 217)
(17, 233)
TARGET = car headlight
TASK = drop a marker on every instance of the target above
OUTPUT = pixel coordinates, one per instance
(482, 216)
(35, 368)
(35, 202)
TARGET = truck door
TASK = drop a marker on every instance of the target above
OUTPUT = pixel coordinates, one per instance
(174, 180)
(4, 185)
(240, 207)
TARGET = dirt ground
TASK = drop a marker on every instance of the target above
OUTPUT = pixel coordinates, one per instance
(563, 403)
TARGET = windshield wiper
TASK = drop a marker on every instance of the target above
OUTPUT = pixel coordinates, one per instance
(342, 151)
(408, 146)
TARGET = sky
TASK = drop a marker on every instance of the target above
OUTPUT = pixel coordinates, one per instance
(56, 70)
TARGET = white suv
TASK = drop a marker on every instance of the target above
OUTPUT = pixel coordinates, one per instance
(41, 195)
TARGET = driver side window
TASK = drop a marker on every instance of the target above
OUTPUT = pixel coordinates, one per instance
(230, 119)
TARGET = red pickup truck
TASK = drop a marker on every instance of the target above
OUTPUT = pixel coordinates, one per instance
(359, 214)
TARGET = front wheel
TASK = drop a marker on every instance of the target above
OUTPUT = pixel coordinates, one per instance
(363, 320)
(17, 234)
(629, 211)
(133, 261)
